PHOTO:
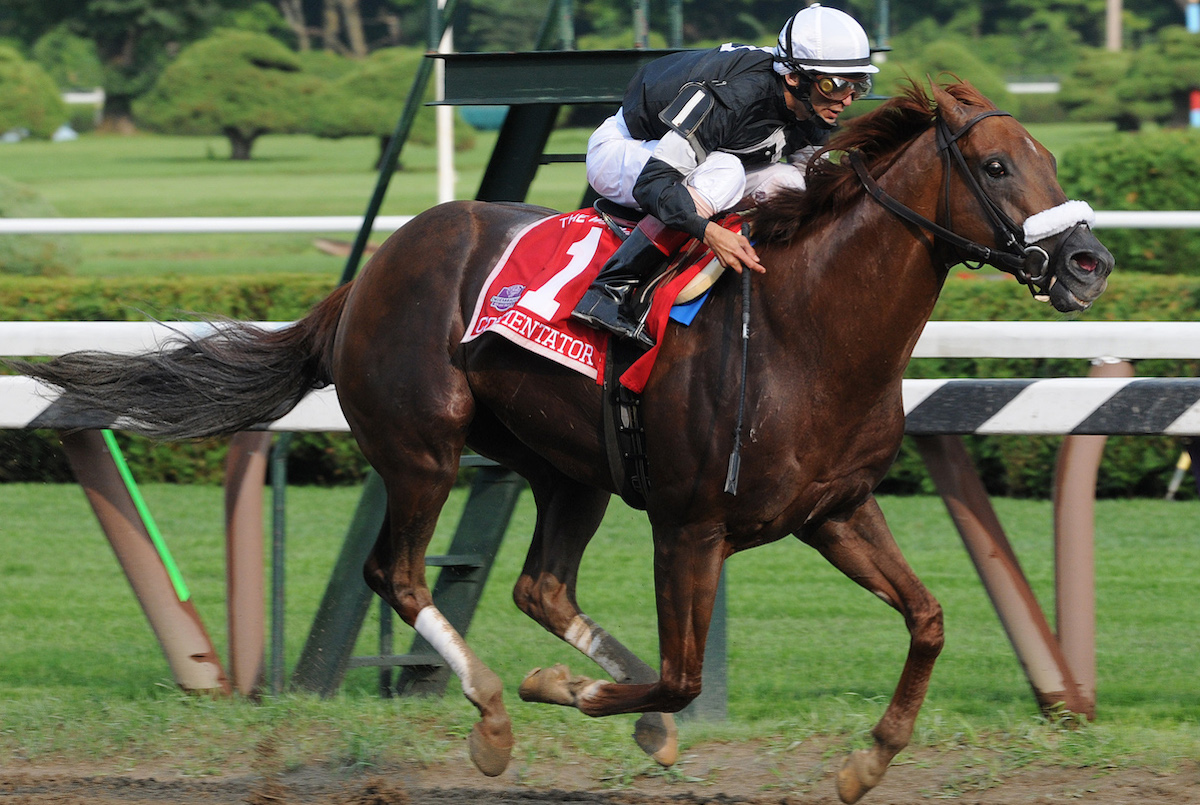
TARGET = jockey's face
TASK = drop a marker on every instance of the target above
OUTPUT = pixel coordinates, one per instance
(827, 108)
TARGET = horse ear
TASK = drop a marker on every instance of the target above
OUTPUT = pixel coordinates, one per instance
(948, 106)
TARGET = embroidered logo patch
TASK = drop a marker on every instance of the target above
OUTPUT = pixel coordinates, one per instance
(507, 297)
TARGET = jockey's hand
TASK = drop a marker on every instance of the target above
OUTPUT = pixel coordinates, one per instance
(732, 249)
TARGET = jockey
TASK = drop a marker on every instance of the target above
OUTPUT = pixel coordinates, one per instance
(699, 130)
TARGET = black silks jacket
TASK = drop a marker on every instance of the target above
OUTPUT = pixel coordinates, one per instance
(749, 120)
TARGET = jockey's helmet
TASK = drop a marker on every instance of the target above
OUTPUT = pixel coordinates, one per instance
(823, 41)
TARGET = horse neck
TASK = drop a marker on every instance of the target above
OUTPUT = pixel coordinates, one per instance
(861, 287)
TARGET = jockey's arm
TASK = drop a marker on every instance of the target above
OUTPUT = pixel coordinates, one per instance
(661, 191)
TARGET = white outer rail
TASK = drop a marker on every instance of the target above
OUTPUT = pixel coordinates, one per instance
(1113, 219)
(145, 226)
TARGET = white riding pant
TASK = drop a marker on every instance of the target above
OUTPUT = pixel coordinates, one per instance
(615, 159)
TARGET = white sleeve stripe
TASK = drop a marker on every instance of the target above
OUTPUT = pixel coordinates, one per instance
(678, 120)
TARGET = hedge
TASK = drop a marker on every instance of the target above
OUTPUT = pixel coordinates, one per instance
(32, 255)
(1014, 465)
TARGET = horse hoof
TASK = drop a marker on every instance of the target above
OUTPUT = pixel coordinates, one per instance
(489, 756)
(857, 777)
(655, 733)
(553, 685)
(547, 686)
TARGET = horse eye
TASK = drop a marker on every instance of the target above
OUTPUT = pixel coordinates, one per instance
(995, 169)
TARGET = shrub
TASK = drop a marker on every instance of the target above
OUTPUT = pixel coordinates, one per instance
(1146, 171)
(28, 97)
(32, 255)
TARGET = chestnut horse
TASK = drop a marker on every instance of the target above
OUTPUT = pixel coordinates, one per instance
(851, 279)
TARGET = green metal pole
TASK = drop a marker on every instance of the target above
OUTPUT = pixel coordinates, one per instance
(347, 598)
(545, 34)
(391, 157)
(641, 24)
(881, 38)
(566, 24)
(278, 539)
(675, 23)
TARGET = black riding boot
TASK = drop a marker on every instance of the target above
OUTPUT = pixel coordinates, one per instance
(608, 303)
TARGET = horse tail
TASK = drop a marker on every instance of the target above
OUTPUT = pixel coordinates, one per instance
(233, 379)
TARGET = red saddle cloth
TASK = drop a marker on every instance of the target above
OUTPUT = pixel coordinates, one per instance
(544, 272)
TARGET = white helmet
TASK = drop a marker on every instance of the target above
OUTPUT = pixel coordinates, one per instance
(823, 40)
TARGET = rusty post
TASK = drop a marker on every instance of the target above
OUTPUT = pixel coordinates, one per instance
(174, 620)
(967, 501)
(245, 600)
(1074, 546)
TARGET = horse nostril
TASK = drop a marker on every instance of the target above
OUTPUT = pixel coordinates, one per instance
(1086, 261)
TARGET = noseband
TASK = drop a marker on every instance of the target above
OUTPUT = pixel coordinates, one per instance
(1015, 256)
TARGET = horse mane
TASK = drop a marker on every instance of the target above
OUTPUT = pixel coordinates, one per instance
(832, 186)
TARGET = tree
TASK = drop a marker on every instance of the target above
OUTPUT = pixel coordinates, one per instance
(134, 39)
(293, 12)
(28, 97)
(69, 59)
(235, 83)
(1087, 92)
(369, 100)
(939, 61)
(1163, 73)
(346, 27)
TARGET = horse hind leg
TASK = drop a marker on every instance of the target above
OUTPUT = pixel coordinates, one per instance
(395, 570)
(687, 569)
(568, 516)
(862, 547)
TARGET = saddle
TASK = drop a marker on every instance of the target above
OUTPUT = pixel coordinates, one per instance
(531, 291)
(621, 220)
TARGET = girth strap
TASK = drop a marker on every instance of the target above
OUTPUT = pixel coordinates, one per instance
(624, 437)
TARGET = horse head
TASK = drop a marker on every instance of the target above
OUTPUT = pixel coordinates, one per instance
(1034, 232)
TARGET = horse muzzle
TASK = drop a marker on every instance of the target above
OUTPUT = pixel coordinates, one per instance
(1075, 273)
(1073, 276)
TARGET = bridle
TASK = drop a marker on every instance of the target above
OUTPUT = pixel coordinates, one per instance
(1030, 264)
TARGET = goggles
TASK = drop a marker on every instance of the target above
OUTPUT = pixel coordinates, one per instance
(837, 88)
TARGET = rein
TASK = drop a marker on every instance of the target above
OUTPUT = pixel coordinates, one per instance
(1013, 257)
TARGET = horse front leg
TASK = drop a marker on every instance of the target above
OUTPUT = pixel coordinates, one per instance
(862, 547)
(568, 515)
(687, 569)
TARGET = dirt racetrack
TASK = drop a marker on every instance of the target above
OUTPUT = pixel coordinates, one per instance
(713, 773)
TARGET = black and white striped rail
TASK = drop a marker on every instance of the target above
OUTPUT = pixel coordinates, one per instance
(1066, 406)
(1063, 406)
